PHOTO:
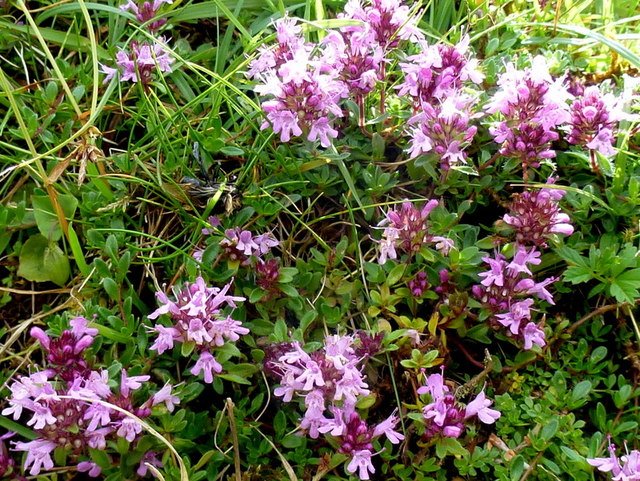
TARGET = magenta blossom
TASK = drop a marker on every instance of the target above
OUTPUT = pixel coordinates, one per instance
(199, 319)
(443, 129)
(536, 216)
(624, 468)
(70, 408)
(388, 20)
(594, 117)
(146, 11)
(438, 72)
(301, 88)
(504, 290)
(407, 230)
(532, 105)
(445, 415)
(140, 62)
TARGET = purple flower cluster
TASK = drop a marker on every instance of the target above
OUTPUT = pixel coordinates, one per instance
(139, 63)
(625, 468)
(532, 105)
(593, 120)
(140, 60)
(242, 245)
(419, 285)
(355, 437)
(306, 83)
(145, 11)
(331, 379)
(68, 402)
(199, 322)
(438, 72)
(445, 415)
(7, 463)
(504, 290)
(357, 57)
(304, 90)
(434, 79)
(536, 215)
(443, 128)
(388, 20)
(329, 375)
(407, 230)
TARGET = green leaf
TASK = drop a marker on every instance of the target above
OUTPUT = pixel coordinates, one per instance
(366, 402)
(578, 274)
(630, 276)
(292, 441)
(243, 370)
(572, 256)
(256, 294)
(99, 457)
(11, 425)
(280, 423)
(70, 40)
(46, 217)
(187, 348)
(234, 378)
(281, 330)
(624, 290)
(517, 468)
(307, 319)
(42, 261)
(445, 446)
(395, 275)
(111, 288)
(624, 427)
(580, 392)
(76, 249)
(550, 429)
(601, 417)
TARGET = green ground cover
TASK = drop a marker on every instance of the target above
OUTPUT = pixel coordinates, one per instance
(319, 240)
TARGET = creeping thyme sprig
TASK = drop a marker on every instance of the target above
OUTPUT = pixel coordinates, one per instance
(199, 322)
(445, 415)
(56, 400)
(505, 288)
(330, 381)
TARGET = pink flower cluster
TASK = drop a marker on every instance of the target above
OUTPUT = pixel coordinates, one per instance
(357, 57)
(445, 415)
(304, 90)
(532, 105)
(137, 63)
(434, 79)
(504, 290)
(66, 402)
(306, 83)
(331, 379)
(593, 120)
(389, 21)
(536, 215)
(250, 251)
(241, 245)
(443, 128)
(625, 468)
(199, 321)
(407, 230)
(145, 11)
(438, 72)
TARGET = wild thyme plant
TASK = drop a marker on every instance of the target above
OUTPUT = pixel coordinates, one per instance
(407, 248)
